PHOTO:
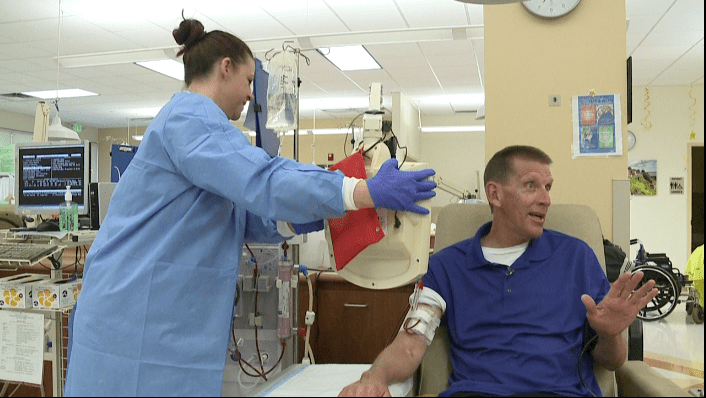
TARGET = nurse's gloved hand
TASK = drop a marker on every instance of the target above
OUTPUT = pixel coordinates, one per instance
(308, 227)
(399, 190)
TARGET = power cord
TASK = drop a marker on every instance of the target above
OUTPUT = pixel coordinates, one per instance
(583, 352)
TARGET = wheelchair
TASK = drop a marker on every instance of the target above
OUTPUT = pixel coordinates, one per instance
(673, 286)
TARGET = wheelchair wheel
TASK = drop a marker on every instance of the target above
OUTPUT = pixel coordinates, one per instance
(698, 314)
(668, 295)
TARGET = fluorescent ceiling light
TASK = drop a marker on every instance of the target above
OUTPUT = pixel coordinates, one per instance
(167, 67)
(350, 58)
(66, 93)
(452, 129)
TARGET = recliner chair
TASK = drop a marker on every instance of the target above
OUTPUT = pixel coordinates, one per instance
(457, 222)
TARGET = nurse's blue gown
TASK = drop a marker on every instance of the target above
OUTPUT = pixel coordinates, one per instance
(154, 315)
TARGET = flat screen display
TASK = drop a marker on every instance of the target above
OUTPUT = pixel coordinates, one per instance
(44, 170)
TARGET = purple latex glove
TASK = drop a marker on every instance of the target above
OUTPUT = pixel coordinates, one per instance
(399, 190)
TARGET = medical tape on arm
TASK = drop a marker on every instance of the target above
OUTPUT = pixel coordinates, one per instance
(423, 321)
(347, 190)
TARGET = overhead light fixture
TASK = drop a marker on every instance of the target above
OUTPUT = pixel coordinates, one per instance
(350, 58)
(66, 93)
(57, 132)
(167, 67)
(452, 129)
(137, 137)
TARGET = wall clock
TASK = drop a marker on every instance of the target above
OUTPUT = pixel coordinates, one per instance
(632, 140)
(550, 8)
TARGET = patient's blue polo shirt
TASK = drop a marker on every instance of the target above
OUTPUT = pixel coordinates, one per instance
(518, 329)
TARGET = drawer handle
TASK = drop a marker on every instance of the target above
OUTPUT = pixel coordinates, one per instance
(355, 305)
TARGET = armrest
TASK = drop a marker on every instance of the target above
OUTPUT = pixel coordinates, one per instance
(638, 379)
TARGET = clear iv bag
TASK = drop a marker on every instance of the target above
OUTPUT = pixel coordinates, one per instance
(281, 92)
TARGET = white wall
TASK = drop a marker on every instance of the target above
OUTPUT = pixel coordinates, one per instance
(455, 157)
(661, 221)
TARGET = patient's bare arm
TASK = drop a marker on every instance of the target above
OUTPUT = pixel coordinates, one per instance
(396, 363)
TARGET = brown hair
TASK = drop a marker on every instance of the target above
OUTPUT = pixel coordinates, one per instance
(499, 167)
(202, 50)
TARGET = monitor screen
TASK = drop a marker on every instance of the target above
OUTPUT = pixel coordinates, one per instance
(44, 170)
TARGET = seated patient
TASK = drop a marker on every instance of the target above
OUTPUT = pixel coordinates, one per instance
(519, 301)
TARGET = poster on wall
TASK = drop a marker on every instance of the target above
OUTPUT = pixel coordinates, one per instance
(643, 177)
(597, 125)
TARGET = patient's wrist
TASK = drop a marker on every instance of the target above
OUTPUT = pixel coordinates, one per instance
(372, 377)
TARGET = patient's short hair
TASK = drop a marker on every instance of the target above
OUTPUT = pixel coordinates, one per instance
(499, 167)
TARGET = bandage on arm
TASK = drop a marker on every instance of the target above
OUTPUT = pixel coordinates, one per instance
(425, 318)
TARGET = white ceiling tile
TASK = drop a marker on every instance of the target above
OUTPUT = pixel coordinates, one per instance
(646, 7)
(672, 78)
(19, 65)
(458, 79)
(461, 89)
(26, 51)
(122, 22)
(402, 63)
(451, 48)
(656, 53)
(313, 24)
(411, 73)
(453, 77)
(27, 10)
(418, 82)
(149, 38)
(360, 6)
(252, 29)
(679, 40)
(684, 15)
(394, 50)
(461, 60)
(640, 25)
(694, 59)
(438, 13)
(244, 10)
(359, 18)
(292, 7)
(475, 14)
(45, 29)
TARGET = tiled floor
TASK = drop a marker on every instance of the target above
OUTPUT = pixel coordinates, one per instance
(674, 345)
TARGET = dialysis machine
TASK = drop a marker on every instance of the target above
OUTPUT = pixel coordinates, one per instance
(264, 338)
(262, 342)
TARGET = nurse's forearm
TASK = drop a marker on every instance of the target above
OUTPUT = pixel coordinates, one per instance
(361, 196)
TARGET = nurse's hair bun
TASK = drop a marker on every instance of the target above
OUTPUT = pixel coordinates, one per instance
(189, 32)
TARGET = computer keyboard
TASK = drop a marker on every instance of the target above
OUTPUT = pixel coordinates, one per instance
(24, 252)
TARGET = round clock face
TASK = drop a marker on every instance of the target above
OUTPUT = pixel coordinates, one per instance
(631, 140)
(549, 8)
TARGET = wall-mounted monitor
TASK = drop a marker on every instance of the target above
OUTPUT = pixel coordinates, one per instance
(44, 170)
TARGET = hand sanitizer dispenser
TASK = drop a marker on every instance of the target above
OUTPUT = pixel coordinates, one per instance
(68, 213)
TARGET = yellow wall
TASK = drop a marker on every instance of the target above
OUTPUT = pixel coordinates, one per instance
(527, 59)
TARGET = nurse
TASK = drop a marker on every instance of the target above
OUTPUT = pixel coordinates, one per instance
(154, 316)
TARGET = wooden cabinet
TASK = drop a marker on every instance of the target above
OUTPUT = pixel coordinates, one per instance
(353, 324)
